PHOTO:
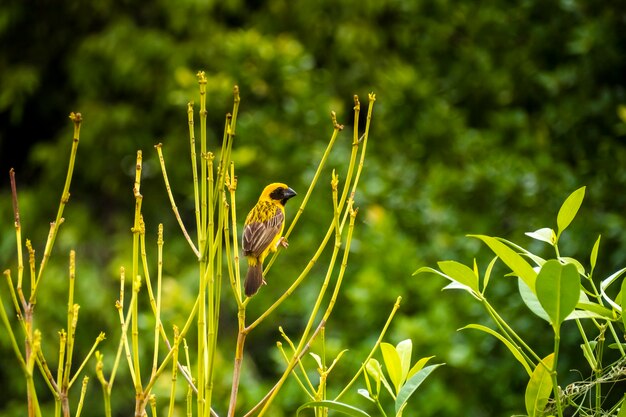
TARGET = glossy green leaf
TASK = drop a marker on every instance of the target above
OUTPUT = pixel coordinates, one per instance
(418, 366)
(412, 384)
(405, 350)
(569, 209)
(365, 393)
(588, 353)
(518, 355)
(539, 387)
(545, 235)
(453, 283)
(460, 273)
(532, 302)
(606, 283)
(392, 364)
(335, 406)
(318, 360)
(487, 276)
(512, 259)
(594, 253)
(374, 369)
(558, 290)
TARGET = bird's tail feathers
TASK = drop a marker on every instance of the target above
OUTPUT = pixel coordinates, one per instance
(254, 279)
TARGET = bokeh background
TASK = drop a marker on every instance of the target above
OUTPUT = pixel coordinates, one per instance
(488, 116)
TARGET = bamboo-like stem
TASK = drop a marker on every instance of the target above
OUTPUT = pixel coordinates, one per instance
(137, 230)
(7, 325)
(300, 365)
(170, 410)
(209, 288)
(18, 241)
(83, 392)
(370, 109)
(396, 306)
(106, 391)
(157, 320)
(71, 319)
(65, 196)
(194, 169)
(233, 264)
(159, 148)
(99, 339)
(202, 243)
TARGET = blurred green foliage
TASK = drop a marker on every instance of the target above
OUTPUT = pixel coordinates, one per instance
(487, 117)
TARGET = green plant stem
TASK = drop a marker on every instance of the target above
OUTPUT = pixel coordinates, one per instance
(159, 148)
(81, 400)
(18, 241)
(553, 373)
(170, 410)
(65, 196)
(510, 334)
(395, 308)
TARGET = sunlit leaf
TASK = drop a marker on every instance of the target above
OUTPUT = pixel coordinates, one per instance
(558, 290)
(318, 360)
(393, 364)
(623, 301)
(335, 406)
(418, 366)
(569, 209)
(532, 302)
(545, 235)
(460, 273)
(518, 355)
(594, 253)
(365, 394)
(405, 350)
(539, 387)
(606, 283)
(454, 285)
(487, 276)
(412, 384)
(512, 259)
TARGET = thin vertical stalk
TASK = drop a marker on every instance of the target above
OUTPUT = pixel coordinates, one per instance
(65, 196)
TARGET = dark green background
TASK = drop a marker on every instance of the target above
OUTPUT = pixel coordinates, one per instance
(488, 116)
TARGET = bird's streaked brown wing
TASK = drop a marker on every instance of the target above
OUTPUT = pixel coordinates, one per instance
(257, 236)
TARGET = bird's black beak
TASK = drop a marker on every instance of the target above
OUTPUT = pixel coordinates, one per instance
(287, 194)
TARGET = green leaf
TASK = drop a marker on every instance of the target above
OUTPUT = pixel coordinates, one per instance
(374, 369)
(412, 384)
(453, 285)
(532, 302)
(365, 393)
(512, 259)
(606, 283)
(318, 360)
(558, 290)
(393, 364)
(335, 406)
(569, 209)
(598, 309)
(545, 235)
(405, 350)
(539, 387)
(594, 253)
(518, 355)
(418, 366)
(460, 273)
(488, 272)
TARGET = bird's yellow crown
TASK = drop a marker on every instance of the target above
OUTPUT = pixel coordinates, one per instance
(265, 195)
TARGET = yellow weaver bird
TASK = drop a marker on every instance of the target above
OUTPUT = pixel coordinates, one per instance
(262, 232)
